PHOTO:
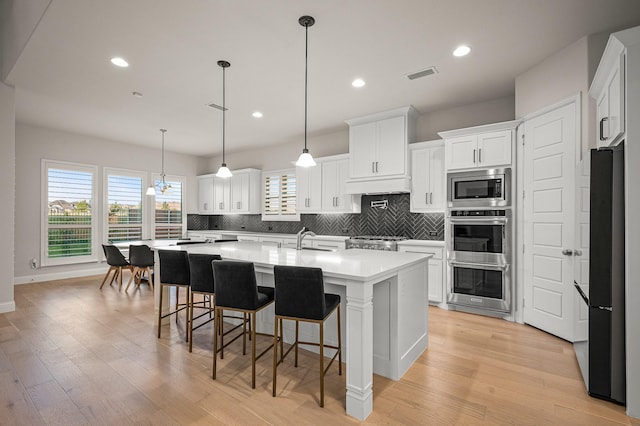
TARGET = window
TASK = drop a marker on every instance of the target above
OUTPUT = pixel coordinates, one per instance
(68, 215)
(280, 196)
(169, 214)
(124, 205)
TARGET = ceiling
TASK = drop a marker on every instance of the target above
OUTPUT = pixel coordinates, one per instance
(64, 79)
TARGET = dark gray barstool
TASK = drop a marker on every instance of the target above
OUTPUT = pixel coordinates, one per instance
(299, 297)
(201, 279)
(174, 272)
(141, 258)
(237, 290)
(116, 262)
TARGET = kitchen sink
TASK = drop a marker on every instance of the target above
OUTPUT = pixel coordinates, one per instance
(316, 249)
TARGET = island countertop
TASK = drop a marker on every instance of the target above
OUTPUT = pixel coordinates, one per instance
(352, 264)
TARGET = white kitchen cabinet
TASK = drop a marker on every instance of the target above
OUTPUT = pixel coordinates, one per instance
(436, 271)
(205, 194)
(309, 189)
(427, 177)
(221, 196)
(245, 192)
(239, 194)
(249, 237)
(608, 89)
(335, 172)
(480, 147)
(378, 150)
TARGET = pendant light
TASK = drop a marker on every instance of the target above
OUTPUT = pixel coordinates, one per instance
(223, 171)
(305, 159)
(163, 186)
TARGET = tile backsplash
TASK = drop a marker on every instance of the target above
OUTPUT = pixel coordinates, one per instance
(394, 220)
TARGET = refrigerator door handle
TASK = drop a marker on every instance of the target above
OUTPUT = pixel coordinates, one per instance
(605, 308)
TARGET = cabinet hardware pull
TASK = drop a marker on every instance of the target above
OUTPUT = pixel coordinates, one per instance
(474, 156)
(602, 120)
(205, 206)
(479, 155)
(373, 167)
(239, 205)
(376, 167)
(426, 198)
(431, 198)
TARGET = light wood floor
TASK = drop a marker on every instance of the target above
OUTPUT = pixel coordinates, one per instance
(73, 354)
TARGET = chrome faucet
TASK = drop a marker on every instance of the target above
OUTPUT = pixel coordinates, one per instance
(304, 232)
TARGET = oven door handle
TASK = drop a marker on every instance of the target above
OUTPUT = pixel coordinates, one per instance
(478, 221)
(471, 265)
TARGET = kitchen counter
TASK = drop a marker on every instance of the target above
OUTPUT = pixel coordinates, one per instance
(381, 291)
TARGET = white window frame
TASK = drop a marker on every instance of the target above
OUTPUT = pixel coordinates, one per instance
(277, 217)
(152, 204)
(96, 210)
(112, 171)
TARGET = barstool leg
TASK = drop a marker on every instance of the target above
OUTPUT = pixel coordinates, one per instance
(281, 340)
(215, 343)
(159, 310)
(296, 343)
(219, 318)
(339, 344)
(322, 364)
(186, 314)
(190, 322)
(244, 333)
(275, 353)
(252, 317)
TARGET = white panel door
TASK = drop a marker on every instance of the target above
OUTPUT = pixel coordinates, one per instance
(549, 204)
(391, 156)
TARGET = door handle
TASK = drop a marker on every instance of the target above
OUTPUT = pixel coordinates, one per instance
(567, 252)
(602, 120)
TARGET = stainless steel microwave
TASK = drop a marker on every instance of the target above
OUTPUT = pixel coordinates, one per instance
(479, 188)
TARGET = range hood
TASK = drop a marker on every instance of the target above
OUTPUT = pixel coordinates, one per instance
(387, 185)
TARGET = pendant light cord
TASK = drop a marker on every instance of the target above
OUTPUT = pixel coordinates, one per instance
(163, 131)
(224, 109)
(306, 60)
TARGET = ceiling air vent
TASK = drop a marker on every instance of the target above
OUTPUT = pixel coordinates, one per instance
(216, 106)
(422, 73)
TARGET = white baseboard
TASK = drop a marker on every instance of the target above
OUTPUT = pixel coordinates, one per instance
(59, 275)
(7, 307)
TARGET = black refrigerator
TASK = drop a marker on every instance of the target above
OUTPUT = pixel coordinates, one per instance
(607, 372)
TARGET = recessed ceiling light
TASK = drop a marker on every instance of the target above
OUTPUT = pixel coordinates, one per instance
(257, 114)
(119, 62)
(462, 50)
(358, 82)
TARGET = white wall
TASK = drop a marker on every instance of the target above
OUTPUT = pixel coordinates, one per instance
(429, 124)
(35, 143)
(18, 19)
(7, 177)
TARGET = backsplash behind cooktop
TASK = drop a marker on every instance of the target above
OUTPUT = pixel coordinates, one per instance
(394, 220)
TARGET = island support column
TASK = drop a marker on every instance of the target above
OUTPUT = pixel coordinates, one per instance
(359, 349)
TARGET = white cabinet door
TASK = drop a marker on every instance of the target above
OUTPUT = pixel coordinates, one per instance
(611, 107)
(309, 189)
(437, 193)
(427, 179)
(205, 195)
(435, 273)
(240, 193)
(391, 151)
(420, 180)
(221, 195)
(334, 178)
(462, 152)
(362, 142)
(494, 148)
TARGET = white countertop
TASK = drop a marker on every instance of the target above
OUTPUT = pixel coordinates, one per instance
(352, 264)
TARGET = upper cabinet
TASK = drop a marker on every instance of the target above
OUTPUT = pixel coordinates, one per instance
(309, 189)
(480, 147)
(205, 194)
(378, 148)
(335, 172)
(427, 177)
(609, 90)
(239, 194)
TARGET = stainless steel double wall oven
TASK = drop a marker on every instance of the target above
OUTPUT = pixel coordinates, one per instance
(479, 247)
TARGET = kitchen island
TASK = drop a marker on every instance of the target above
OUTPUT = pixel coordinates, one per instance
(385, 296)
